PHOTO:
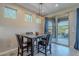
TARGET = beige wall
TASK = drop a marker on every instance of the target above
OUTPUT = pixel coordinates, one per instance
(8, 27)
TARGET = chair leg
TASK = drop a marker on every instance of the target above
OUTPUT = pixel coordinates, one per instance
(50, 48)
(21, 52)
(43, 47)
(36, 43)
(27, 49)
(38, 48)
(45, 50)
(18, 52)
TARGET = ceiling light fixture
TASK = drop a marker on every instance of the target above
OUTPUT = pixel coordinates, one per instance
(56, 5)
(40, 9)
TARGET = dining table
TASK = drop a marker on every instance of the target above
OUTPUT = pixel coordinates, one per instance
(33, 38)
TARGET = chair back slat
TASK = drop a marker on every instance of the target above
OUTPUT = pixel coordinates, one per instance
(36, 33)
(29, 33)
(48, 37)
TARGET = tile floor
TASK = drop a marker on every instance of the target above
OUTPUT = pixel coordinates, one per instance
(57, 50)
(63, 41)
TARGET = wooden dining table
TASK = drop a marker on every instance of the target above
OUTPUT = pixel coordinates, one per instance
(33, 39)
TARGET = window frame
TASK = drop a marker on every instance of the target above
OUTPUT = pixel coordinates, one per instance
(9, 16)
(28, 19)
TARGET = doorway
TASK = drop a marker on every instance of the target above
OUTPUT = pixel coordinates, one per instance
(63, 31)
(60, 30)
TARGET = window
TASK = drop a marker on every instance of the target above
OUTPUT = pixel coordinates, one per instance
(38, 20)
(28, 18)
(10, 13)
(50, 25)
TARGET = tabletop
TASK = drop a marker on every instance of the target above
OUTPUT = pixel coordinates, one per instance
(32, 36)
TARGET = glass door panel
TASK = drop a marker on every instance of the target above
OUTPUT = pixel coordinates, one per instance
(63, 29)
(52, 29)
(50, 26)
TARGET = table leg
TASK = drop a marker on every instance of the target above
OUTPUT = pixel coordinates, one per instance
(32, 47)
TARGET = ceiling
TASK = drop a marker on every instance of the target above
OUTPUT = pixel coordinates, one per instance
(47, 8)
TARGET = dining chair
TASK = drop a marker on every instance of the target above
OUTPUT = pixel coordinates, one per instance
(45, 42)
(29, 33)
(22, 46)
(36, 33)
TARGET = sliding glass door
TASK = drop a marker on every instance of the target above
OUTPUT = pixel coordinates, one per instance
(63, 31)
(59, 29)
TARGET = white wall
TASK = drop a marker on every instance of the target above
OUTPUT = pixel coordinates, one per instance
(72, 20)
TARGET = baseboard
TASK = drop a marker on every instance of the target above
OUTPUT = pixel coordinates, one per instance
(8, 52)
